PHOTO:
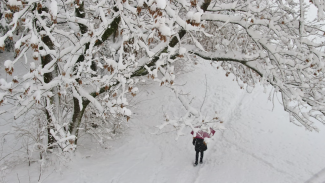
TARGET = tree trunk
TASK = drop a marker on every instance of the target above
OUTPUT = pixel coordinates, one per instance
(48, 78)
(77, 117)
(77, 113)
(50, 138)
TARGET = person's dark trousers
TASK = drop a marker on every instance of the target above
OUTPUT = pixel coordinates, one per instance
(197, 156)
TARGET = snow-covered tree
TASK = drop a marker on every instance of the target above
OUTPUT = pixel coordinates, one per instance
(9, 44)
(94, 52)
(272, 42)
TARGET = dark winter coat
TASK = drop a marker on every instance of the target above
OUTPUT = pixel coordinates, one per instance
(199, 144)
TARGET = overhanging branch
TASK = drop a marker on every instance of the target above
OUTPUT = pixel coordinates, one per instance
(231, 59)
(143, 71)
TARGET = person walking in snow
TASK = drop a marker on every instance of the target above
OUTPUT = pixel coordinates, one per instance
(200, 147)
(200, 144)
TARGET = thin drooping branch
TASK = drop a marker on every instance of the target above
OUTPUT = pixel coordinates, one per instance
(231, 59)
(205, 94)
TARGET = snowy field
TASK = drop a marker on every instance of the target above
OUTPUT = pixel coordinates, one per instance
(259, 144)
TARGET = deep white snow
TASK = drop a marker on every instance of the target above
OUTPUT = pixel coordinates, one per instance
(259, 145)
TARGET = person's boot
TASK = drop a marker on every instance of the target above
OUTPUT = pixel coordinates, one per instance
(195, 163)
(201, 160)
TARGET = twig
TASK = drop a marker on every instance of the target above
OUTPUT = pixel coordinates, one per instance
(136, 103)
(18, 178)
(191, 100)
(180, 84)
(273, 99)
(40, 174)
(28, 175)
(48, 175)
(184, 94)
(279, 100)
(206, 86)
(157, 133)
(10, 153)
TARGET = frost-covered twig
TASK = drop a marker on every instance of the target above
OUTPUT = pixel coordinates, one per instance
(205, 94)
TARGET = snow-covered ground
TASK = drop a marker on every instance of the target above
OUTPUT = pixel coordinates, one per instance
(259, 144)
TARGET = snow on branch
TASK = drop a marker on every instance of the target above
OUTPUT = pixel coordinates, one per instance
(82, 51)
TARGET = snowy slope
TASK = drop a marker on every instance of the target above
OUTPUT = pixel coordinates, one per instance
(259, 145)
